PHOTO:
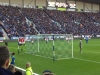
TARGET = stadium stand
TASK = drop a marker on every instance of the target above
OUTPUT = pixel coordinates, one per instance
(14, 22)
(48, 21)
(43, 23)
(71, 21)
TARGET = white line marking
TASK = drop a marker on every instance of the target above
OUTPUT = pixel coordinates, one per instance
(86, 51)
(13, 47)
(42, 56)
(75, 58)
(87, 60)
(63, 58)
(91, 52)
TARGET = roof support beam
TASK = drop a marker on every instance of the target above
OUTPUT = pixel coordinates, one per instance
(9, 2)
(22, 3)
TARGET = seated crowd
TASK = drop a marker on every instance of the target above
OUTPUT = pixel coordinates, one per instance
(14, 21)
(43, 23)
(22, 21)
(71, 21)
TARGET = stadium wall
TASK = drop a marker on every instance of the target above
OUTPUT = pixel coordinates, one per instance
(95, 7)
(16, 1)
(87, 6)
(41, 3)
(4, 1)
(29, 2)
(79, 4)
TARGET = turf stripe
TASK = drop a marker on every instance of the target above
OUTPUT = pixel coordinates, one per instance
(87, 60)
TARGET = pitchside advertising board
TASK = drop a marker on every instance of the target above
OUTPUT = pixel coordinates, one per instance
(1, 39)
(83, 36)
(28, 38)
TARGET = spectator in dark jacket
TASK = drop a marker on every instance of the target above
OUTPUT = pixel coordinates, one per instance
(4, 61)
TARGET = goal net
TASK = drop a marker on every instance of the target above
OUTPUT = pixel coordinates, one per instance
(53, 46)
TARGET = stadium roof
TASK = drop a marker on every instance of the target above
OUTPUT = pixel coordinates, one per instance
(28, 1)
(91, 1)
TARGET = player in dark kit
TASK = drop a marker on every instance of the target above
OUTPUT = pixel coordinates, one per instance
(80, 45)
(20, 50)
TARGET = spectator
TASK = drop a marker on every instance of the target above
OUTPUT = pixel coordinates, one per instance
(28, 69)
(47, 72)
(11, 68)
(4, 61)
(18, 72)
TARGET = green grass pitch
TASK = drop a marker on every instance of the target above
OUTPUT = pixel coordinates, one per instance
(87, 63)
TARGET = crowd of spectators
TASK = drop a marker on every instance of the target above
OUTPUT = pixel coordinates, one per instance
(77, 22)
(15, 21)
(43, 23)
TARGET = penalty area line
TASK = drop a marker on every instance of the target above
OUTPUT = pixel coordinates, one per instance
(87, 60)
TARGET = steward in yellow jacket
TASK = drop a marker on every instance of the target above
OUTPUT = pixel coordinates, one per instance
(28, 69)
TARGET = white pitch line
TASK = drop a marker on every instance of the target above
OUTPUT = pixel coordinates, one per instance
(12, 47)
(63, 58)
(87, 60)
(42, 56)
(74, 50)
(75, 58)
(91, 52)
(88, 51)
(33, 54)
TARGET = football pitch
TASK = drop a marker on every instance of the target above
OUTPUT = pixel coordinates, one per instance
(87, 63)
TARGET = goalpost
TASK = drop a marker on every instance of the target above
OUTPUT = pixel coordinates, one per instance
(53, 46)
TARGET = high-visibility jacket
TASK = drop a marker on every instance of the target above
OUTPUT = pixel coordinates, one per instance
(29, 71)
